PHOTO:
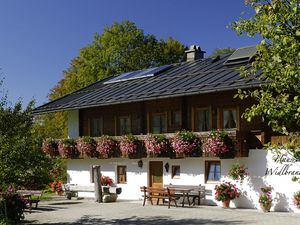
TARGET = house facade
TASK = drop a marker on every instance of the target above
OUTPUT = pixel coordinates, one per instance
(197, 95)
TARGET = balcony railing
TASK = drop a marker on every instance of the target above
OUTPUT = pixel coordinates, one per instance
(241, 140)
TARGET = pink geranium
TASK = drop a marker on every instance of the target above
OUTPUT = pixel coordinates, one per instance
(218, 143)
(185, 142)
(156, 144)
(128, 145)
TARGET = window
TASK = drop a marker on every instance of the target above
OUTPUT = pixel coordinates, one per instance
(202, 119)
(159, 124)
(229, 118)
(96, 127)
(175, 119)
(212, 171)
(124, 125)
(175, 172)
(121, 174)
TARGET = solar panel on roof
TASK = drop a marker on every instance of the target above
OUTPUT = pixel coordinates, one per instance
(241, 55)
(138, 74)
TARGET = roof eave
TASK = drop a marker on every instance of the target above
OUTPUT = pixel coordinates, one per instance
(44, 111)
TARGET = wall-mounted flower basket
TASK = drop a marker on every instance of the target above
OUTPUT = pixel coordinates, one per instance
(219, 144)
(128, 146)
(186, 143)
(87, 147)
(67, 149)
(106, 147)
(156, 145)
(50, 147)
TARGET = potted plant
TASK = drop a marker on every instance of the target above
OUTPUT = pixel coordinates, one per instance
(186, 143)
(86, 146)
(297, 199)
(218, 144)
(156, 145)
(106, 181)
(238, 172)
(50, 147)
(106, 146)
(66, 148)
(226, 192)
(128, 145)
(265, 198)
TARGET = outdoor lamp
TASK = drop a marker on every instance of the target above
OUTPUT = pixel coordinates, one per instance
(167, 166)
(140, 163)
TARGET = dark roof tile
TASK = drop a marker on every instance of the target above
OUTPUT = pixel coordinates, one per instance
(188, 78)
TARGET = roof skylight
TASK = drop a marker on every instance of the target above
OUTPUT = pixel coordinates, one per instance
(139, 74)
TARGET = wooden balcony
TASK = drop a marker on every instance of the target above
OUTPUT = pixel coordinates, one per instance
(241, 139)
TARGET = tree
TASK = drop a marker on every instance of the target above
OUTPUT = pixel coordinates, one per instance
(122, 47)
(220, 51)
(21, 160)
(278, 100)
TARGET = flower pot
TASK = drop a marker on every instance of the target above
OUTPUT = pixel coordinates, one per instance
(266, 207)
(225, 204)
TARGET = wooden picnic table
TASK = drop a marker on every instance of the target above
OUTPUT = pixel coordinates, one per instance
(195, 192)
(181, 192)
(28, 194)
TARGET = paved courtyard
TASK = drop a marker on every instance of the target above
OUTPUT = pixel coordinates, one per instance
(67, 212)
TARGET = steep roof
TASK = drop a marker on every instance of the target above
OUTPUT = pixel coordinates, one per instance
(187, 78)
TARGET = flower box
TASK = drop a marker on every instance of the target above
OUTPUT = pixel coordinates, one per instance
(67, 149)
(156, 145)
(219, 144)
(129, 146)
(106, 147)
(186, 143)
(87, 147)
(50, 147)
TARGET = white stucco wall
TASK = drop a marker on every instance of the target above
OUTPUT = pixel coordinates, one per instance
(192, 173)
(73, 123)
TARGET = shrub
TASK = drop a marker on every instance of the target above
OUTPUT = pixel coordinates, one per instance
(56, 186)
(12, 206)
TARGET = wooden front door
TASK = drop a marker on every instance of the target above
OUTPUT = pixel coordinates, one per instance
(156, 174)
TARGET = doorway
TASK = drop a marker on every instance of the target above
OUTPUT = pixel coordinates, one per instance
(156, 174)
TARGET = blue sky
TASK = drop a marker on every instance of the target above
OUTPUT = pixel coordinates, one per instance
(38, 38)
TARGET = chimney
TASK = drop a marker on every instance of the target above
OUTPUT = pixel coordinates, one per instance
(194, 53)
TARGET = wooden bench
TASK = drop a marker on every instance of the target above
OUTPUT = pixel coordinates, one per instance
(31, 196)
(158, 193)
(196, 193)
(71, 190)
